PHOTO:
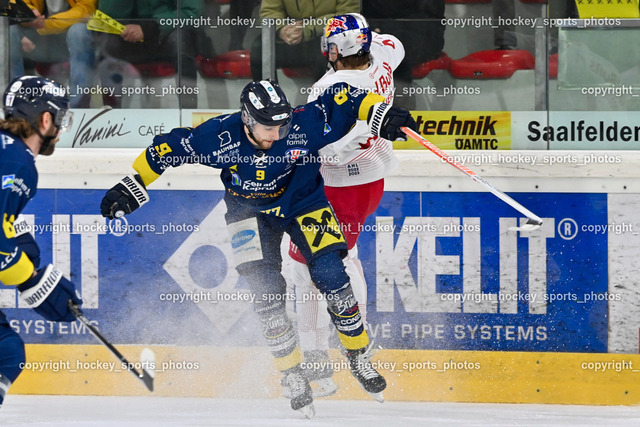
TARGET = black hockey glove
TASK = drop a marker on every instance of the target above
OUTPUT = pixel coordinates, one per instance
(48, 293)
(125, 197)
(385, 121)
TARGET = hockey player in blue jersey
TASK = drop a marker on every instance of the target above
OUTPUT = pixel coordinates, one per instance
(270, 165)
(35, 112)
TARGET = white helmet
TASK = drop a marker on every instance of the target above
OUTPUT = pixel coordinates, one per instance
(350, 34)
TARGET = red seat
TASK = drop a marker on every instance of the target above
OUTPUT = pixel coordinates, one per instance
(230, 65)
(553, 66)
(45, 68)
(492, 64)
(151, 69)
(155, 69)
(422, 70)
(297, 72)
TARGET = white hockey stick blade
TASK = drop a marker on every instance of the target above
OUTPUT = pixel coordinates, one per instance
(530, 225)
(148, 361)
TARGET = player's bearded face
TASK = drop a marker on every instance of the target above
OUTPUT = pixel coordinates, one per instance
(264, 136)
(52, 131)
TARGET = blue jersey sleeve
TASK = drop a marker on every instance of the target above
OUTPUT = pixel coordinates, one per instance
(18, 187)
(200, 145)
(338, 108)
(167, 150)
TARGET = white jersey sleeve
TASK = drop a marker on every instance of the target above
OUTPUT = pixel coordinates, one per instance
(390, 47)
(360, 157)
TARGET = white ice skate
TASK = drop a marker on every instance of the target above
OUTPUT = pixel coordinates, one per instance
(301, 398)
(318, 371)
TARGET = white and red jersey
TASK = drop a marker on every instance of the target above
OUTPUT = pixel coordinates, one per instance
(360, 157)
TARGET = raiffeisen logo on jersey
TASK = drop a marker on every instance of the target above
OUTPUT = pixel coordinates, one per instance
(7, 181)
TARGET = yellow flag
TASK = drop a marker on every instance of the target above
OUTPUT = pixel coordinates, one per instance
(102, 22)
(588, 9)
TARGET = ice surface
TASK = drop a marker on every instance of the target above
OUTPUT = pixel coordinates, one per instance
(20, 410)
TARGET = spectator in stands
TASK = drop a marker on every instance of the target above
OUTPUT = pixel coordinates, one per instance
(148, 37)
(563, 9)
(418, 25)
(58, 33)
(504, 36)
(560, 9)
(240, 9)
(297, 45)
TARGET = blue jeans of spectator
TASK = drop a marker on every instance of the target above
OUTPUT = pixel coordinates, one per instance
(75, 45)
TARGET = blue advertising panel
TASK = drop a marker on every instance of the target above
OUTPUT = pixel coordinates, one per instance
(162, 275)
(444, 271)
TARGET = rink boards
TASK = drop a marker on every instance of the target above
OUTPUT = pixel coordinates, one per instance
(448, 280)
(412, 375)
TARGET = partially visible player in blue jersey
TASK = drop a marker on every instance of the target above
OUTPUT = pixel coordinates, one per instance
(270, 165)
(35, 112)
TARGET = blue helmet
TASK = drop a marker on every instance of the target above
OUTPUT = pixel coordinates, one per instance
(350, 34)
(27, 97)
(264, 102)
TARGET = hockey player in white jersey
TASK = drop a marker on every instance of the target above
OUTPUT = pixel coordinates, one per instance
(354, 181)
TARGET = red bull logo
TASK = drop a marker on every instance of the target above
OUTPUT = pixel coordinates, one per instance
(333, 25)
(361, 39)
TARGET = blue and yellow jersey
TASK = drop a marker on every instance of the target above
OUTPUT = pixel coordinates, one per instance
(281, 180)
(19, 183)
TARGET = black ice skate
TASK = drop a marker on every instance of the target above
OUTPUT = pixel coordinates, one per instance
(370, 380)
(300, 392)
(317, 369)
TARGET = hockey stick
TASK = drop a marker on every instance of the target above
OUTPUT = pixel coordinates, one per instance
(533, 221)
(146, 377)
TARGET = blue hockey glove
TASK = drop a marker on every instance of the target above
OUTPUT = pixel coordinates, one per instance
(385, 121)
(26, 242)
(28, 245)
(125, 197)
(48, 293)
